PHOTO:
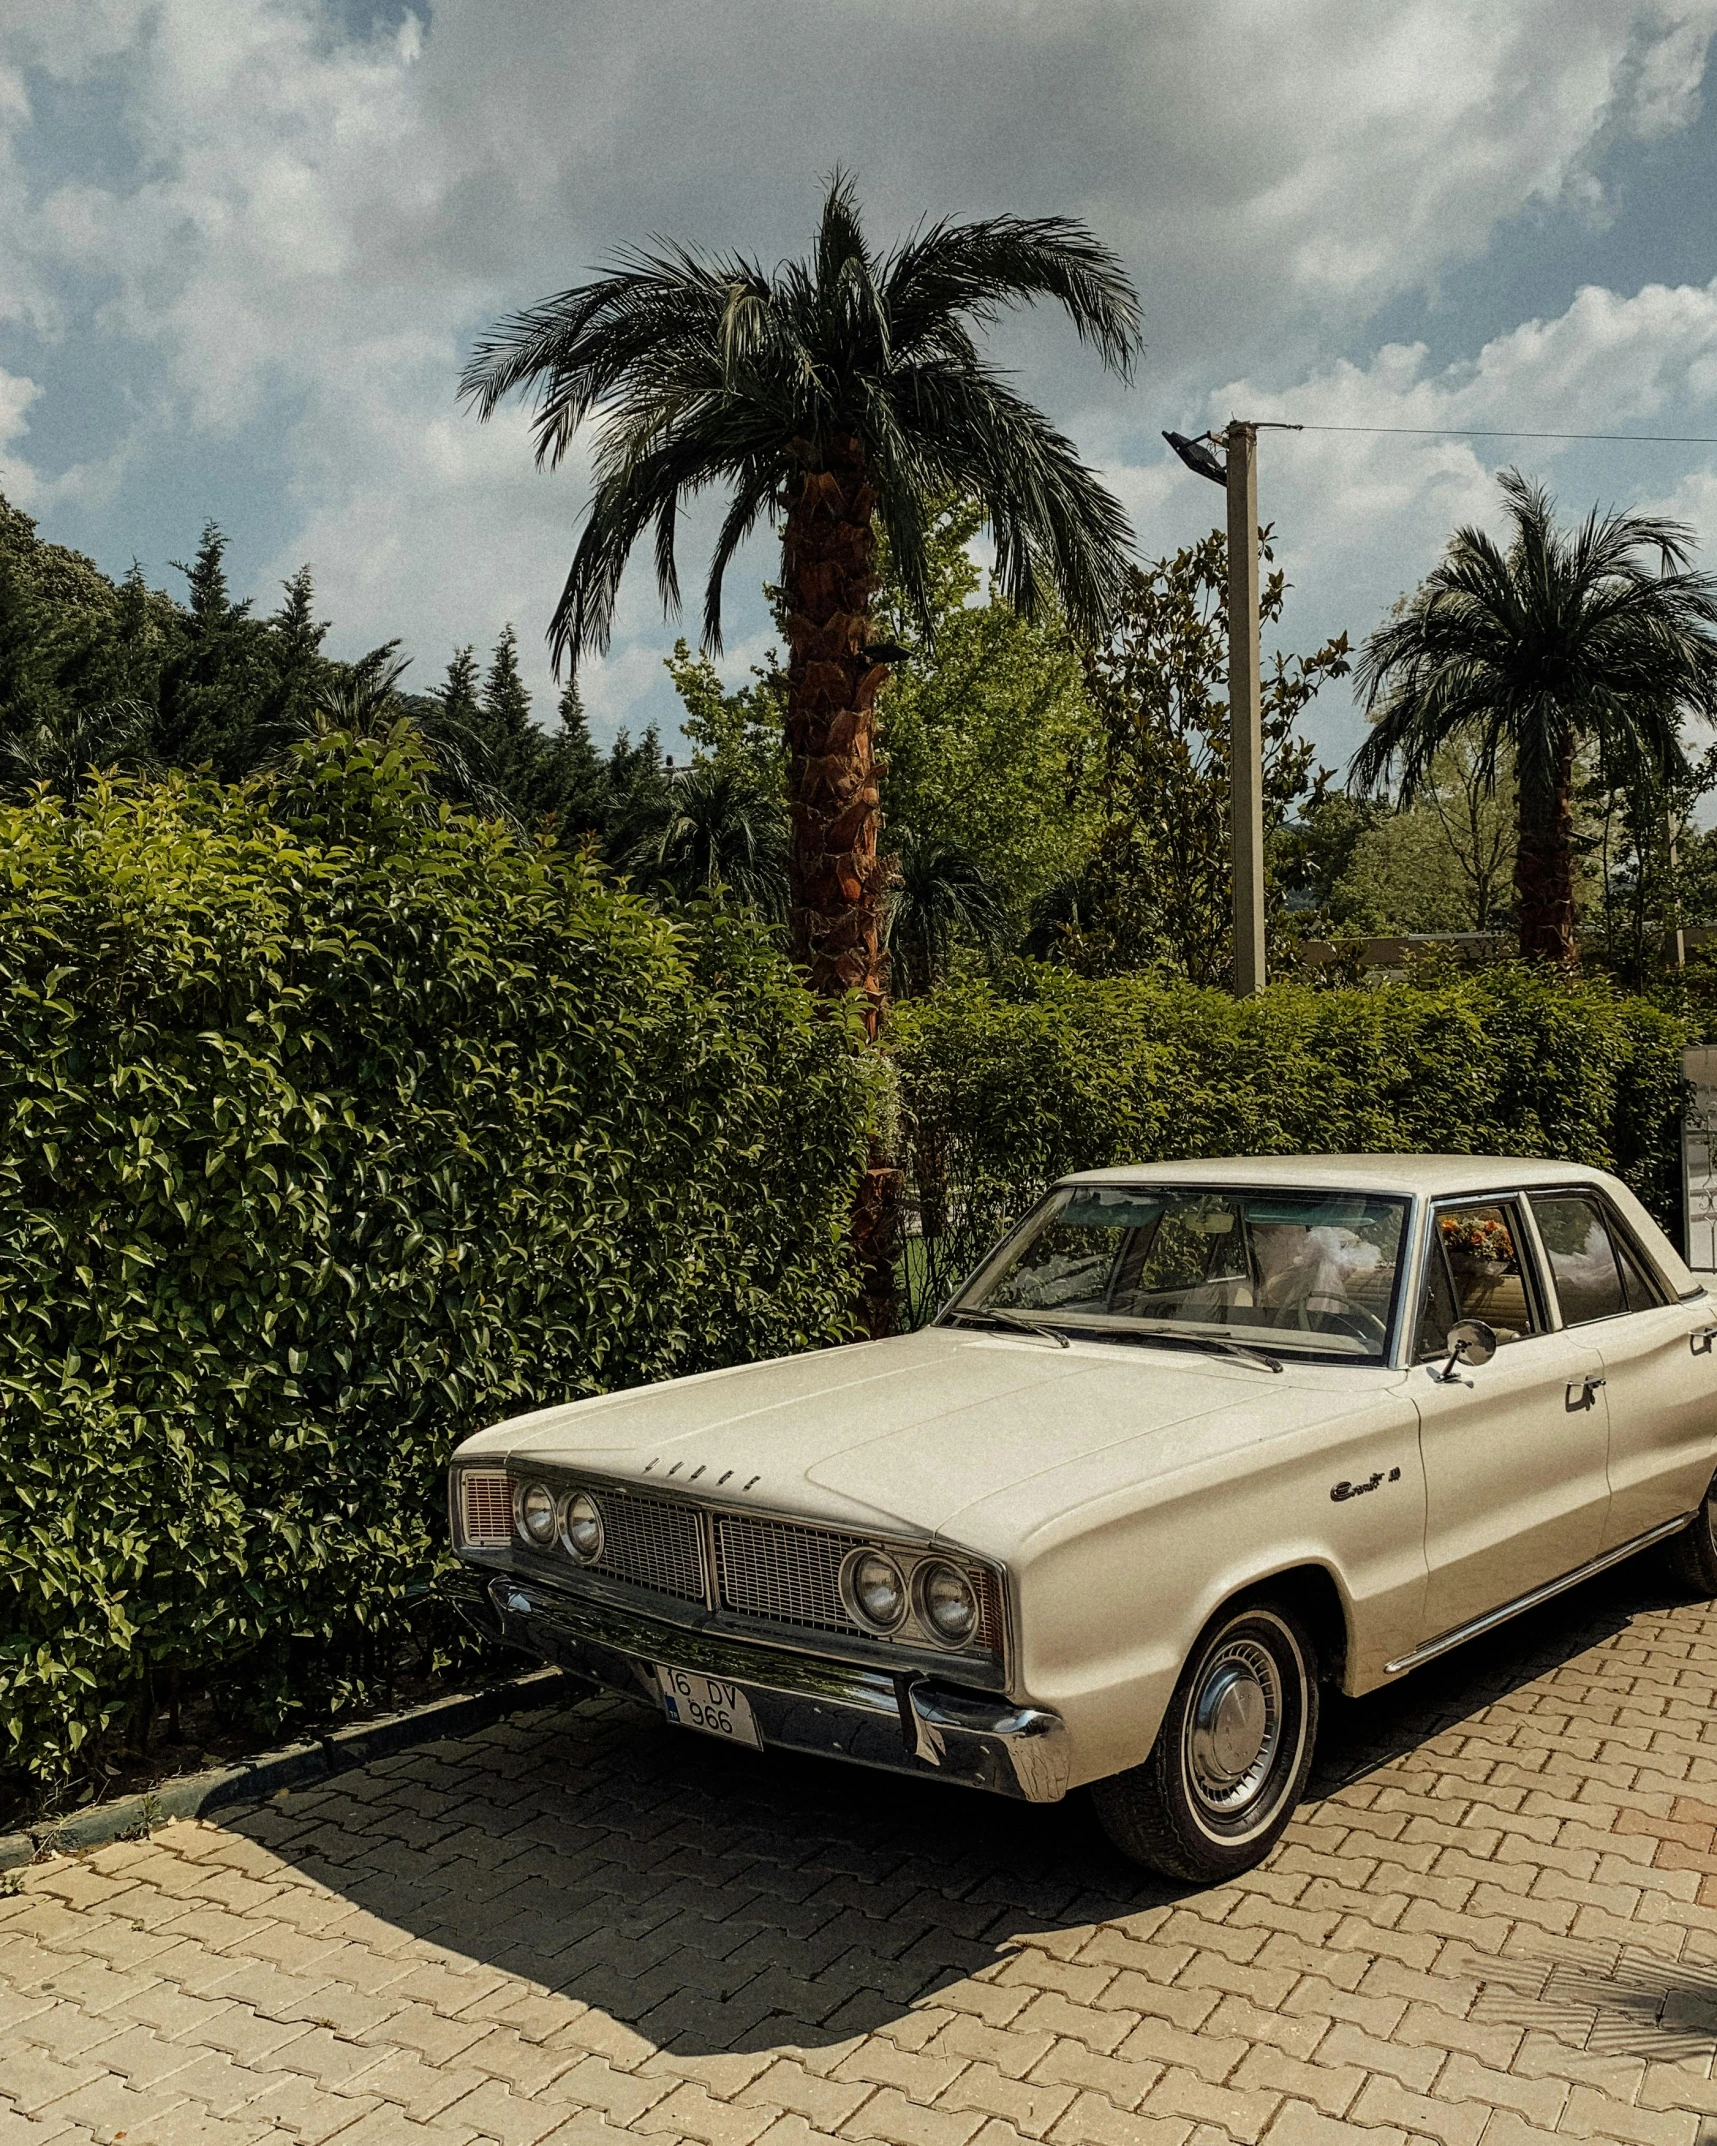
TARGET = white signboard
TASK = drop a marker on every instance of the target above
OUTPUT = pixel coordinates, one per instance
(1699, 1157)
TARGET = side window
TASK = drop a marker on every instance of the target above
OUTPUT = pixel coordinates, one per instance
(1487, 1279)
(1643, 1289)
(1582, 1257)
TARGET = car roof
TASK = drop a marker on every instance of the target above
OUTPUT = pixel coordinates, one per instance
(1432, 1175)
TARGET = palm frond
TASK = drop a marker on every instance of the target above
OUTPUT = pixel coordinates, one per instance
(703, 371)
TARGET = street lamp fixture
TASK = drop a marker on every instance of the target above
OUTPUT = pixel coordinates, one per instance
(1197, 456)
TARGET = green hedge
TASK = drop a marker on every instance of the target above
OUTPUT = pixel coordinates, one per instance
(1006, 1085)
(333, 1127)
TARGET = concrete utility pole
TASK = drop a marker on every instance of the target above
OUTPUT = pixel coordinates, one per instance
(1239, 479)
(1245, 711)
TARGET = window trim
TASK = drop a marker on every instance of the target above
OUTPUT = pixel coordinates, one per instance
(1545, 1311)
(1620, 1234)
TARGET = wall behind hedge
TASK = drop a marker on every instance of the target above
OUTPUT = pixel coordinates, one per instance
(331, 1128)
(1008, 1084)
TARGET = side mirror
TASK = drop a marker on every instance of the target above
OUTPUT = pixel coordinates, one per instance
(1470, 1343)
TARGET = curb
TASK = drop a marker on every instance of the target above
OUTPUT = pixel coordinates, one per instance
(195, 1795)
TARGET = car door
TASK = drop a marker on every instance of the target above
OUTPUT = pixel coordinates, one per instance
(1661, 1377)
(1516, 1450)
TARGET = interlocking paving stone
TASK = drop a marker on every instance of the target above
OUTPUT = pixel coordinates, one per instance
(1493, 1923)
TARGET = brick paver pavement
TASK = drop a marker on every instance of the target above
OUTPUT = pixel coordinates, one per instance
(1496, 1921)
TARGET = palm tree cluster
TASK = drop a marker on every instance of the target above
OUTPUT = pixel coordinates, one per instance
(710, 828)
(1598, 641)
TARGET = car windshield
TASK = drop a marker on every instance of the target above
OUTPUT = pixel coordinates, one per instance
(1309, 1273)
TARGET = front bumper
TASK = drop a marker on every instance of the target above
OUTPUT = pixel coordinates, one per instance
(905, 1723)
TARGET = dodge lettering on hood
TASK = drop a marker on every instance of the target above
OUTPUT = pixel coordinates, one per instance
(1195, 1441)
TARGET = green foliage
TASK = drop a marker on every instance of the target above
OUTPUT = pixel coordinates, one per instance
(1158, 892)
(939, 902)
(331, 1129)
(712, 833)
(1444, 861)
(744, 731)
(1008, 1084)
(987, 730)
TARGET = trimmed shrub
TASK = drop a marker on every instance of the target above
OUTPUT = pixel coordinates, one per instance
(1007, 1085)
(333, 1127)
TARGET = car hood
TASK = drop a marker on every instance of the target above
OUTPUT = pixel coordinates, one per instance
(931, 1432)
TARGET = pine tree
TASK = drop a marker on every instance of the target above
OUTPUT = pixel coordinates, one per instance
(295, 624)
(29, 659)
(211, 605)
(457, 692)
(506, 699)
(220, 691)
(573, 783)
(575, 738)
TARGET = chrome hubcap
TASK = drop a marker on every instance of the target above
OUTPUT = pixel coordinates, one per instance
(1228, 1730)
(1234, 1726)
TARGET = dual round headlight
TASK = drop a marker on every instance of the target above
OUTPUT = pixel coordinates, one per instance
(875, 1591)
(577, 1523)
(878, 1596)
(581, 1527)
(947, 1602)
(537, 1514)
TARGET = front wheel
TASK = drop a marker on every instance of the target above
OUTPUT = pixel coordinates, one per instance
(1232, 1755)
(1693, 1553)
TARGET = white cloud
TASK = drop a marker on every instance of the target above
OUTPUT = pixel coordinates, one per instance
(1363, 513)
(298, 228)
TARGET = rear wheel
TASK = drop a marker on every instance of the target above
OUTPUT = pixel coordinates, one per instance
(1232, 1755)
(1693, 1553)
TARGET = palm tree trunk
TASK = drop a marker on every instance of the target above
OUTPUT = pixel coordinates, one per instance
(1544, 866)
(836, 878)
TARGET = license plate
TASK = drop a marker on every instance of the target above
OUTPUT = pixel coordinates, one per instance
(707, 1703)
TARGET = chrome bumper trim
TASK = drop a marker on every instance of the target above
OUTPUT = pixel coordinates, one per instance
(903, 1723)
(949, 1726)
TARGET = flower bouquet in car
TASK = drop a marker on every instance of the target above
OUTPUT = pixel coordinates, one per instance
(1479, 1245)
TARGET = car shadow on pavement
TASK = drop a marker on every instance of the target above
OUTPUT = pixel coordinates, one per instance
(711, 1899)
(1357, 1736)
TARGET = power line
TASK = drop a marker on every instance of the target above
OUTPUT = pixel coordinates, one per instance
(1451, 432)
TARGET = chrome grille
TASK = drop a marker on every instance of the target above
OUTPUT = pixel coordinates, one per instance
(485, 1509)
(791, 1575)
(652, 1543)
(989, 1633)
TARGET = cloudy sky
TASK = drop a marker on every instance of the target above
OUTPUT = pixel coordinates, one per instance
(245, 244)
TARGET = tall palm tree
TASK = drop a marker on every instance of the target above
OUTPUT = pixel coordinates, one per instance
(1599, 639)
(707, 828)
(843, 390)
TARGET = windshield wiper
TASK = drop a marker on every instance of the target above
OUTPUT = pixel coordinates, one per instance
(1219, 1347)
(1018, 1321)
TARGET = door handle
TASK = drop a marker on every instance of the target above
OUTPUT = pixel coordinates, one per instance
(1583, 1393)
(1701, 1339)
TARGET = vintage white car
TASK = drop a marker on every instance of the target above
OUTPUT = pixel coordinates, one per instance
(1195, 1438)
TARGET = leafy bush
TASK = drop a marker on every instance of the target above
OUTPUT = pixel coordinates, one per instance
(1007, 1085)
(332, 1128)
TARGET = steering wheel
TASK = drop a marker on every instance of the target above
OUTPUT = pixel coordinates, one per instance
(1361, 1324)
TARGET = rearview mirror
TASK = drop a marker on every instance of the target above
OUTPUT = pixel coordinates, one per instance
(1471, 1343)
